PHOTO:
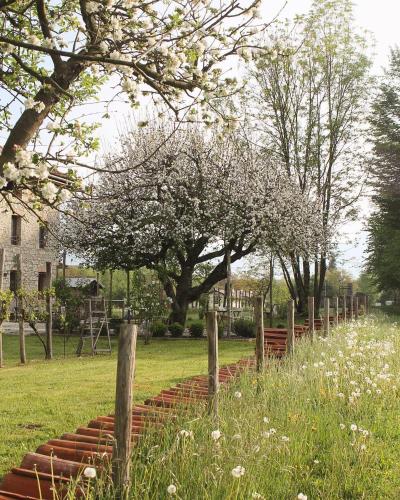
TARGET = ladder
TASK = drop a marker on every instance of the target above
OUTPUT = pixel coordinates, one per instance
(93, 324)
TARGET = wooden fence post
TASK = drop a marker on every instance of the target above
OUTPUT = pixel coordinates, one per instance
(49, 312)
(326, 316)
(213, 378)
(2, 259)
(228, 293)
(351, 307)
(259, 316)
(311, 324)
(123, 409)
(336, 308)
(20, 310)
(356, 307)
(290, 327)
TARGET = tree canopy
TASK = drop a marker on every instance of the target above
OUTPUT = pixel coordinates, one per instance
(197, 198)
(57, 56)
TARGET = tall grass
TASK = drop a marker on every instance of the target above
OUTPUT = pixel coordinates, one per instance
(322, 425)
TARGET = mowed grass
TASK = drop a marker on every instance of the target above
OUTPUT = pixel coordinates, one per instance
(44, 399)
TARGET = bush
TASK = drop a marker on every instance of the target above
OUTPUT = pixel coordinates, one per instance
(244, 328)
(176, 329)
(196, 329)
(158, 329)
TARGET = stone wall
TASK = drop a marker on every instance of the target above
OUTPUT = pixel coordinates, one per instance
(33, 258)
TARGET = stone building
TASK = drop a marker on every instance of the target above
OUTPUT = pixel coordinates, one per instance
(26, 241)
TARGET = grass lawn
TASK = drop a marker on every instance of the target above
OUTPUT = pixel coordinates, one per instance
(44, 399)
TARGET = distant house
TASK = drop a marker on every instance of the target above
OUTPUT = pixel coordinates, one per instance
(85, 286)
(26, 241)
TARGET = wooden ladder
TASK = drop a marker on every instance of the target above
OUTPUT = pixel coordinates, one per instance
(94, 322)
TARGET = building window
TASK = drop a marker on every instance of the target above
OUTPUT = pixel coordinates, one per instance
(13, 281)
(42, 282)
(15, 230)
(42, 236)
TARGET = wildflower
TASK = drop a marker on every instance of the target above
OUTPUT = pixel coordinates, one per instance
(363, 447)
(238, 394)
(301, 496)
(238, 471)
(266, 420)
(353, 427)
(257, 496)
(89, 472)
(184, 433)
(285, 439)
(342, 426)
(216, 435)
(316, 461)
(272, 431)
(171, 490)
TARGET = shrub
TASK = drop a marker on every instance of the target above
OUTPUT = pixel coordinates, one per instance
(176, 329)
(196, 329)
(158, 329)
(244, 328)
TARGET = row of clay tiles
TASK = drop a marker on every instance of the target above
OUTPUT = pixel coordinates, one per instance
(55, 463)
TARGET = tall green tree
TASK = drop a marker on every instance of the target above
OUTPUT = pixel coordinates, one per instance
(311, 107)
(383, 259)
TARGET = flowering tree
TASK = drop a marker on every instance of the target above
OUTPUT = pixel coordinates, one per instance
(56, 56)
(311, 105)
(192, 202)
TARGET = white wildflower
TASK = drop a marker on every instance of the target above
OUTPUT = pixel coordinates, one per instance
(171, 490)
(89, 472)
(238, 471)
(238, 394)
(216, 435)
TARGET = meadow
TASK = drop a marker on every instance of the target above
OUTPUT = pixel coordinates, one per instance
(324, 424)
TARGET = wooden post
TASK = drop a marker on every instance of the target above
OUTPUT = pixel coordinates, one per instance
(336, 309)
(271, 282)
(356, 307)
(259, 317)
(228, 293)
(22, 348)
(290, 327)
(110, 292)
(2, 259)
(49, 312)
(326, 316)
(311, 329)
(351, 307)
(213, 378)
(123, 409)
(344, 309)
